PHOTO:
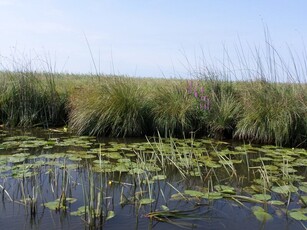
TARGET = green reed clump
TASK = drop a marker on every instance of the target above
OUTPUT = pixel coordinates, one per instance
(271, 113)
(30, 99)
(115, 107)
(173, 109)
(224, 108)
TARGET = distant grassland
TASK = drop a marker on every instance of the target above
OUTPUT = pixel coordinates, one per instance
(256, 110)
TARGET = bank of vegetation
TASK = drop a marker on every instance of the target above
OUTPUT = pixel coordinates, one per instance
(257, 110)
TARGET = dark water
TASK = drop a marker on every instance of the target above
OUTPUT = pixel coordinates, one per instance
(41, 176)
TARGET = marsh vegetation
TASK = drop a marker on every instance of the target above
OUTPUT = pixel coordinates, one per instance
(257, 111)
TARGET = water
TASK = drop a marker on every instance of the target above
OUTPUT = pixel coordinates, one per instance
(45, 165)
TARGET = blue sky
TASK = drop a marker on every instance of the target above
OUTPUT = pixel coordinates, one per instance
(142, 37)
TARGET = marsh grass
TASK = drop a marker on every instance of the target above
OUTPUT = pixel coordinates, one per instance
(28, 99)
(117, 108)
(173, 110)
(225, 108)
(272, 113)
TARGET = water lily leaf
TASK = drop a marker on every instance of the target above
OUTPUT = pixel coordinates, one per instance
(178, 196)
(213, 196)
(298, 215)
(284, 189)
(164, 208)
(124, 160)
(194, 193)
(303, 188)
(113, 155)
(68, 200)
(121, 168)
(262, 196)
(110, 215)
(74, 158)
(80, 212)
(146, 201)
(53, 205)
(276, 202)
(159, 177)
(224, 189)
(261, 214)
(136, 171)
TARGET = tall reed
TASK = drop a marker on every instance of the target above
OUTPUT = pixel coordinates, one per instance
(271, 113)
(30, 99)
(116, 107)
(173, 110)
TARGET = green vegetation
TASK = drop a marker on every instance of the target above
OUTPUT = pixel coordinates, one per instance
(256, 111)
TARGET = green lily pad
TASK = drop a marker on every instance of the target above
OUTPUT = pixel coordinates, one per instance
(303, 188)
(261, 214)
(194, 193)
(146, 201)
(54, 205)
(136, 171)
(224, 189)
(159, 177)
(110, 215)
(262, 196)
(276, 202)
(298, 215)
(284, 189)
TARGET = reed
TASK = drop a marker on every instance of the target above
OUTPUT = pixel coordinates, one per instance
(271, 114)
(29, 99)
(117, 107)
(172, 109)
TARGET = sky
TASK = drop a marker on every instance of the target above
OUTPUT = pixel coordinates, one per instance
(146, 38)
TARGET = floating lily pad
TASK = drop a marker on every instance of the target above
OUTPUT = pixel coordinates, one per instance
(298, 215)
(303, 188)
(146, 201)
(159, 177)
(261, 214)
(110, 215)
(224, 189)
(276, 202)
(213, 196)
(262, 196)
(284, 189)
(54, 205)
(136, 171)
(194, 193)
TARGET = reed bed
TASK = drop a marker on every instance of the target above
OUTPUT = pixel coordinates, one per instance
(256, 110)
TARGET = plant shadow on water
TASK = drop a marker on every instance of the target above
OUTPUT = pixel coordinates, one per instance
(55, 180)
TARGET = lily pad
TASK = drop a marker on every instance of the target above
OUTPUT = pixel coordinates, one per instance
(284, 189)
(262, 197)
(298, 215)
(146, 201)
(194, 193)
(159, 177)
(261, 214)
